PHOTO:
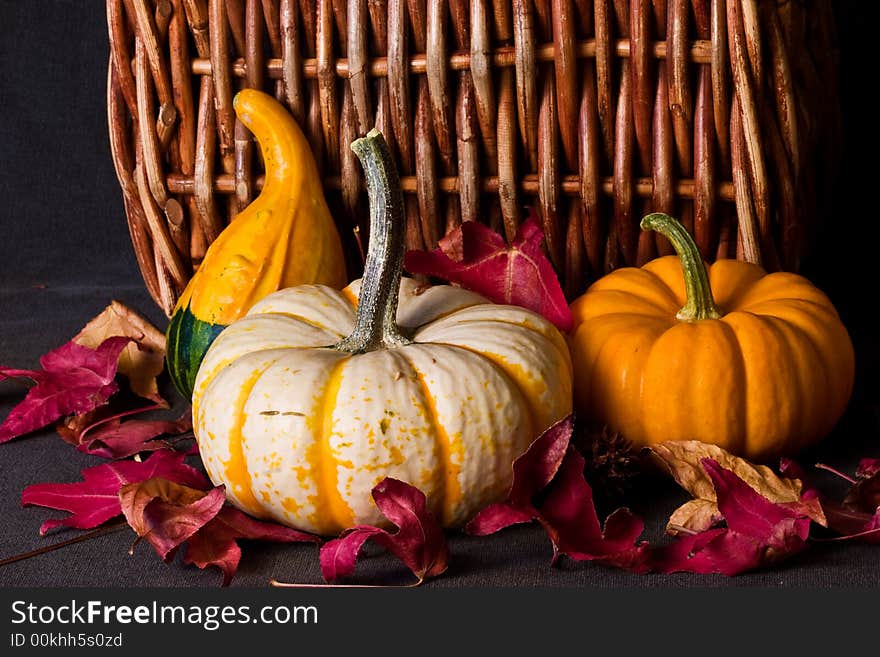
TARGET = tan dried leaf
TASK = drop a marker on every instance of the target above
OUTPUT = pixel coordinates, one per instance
(682, 460)
(142, 360)
(696, 515)
(135, 497)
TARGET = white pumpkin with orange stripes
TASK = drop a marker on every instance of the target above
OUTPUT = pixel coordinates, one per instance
(432, 385)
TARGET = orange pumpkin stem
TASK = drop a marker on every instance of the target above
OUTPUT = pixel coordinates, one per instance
(700, 304)
(376, 323)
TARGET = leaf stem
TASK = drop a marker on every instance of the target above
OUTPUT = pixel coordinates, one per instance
(102, 421)
(828, 468)
(294, 585)
(95, 533)
(848, 537)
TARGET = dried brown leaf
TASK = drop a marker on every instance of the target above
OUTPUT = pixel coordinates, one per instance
(166, 513)
(135, 497)
(696, 515)
(683, 458)
(72, 427)
(143, 359)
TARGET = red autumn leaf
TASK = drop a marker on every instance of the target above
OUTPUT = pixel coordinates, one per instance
(74, 380)
(858, 515)
(853, 524)
(71, 356)
(101, 433)
(868, 468)
(143, 359)
(215, 544)
(697, 552)
(115, 439)
(419, 541)
(496, 517)
(166, 514)
(535, 469)
(683, 460)
(749, 512)
(865, 493)
(810, 503)
(95, 500)
(554, 469)
(478, 259)
(793, 470)
(71, 428)
(758, 532)
(569, 517)
(869, 531)
(532, 472)
(339, 556)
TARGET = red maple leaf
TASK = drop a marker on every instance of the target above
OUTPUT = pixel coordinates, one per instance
(569, 517)
(549, 486)
(758, 532)
(73, 380)
(114, 439)
(419, 541)
(216, 544)
(532, 473)
(857, 516)
(865, 493)
(72, 429)
(868, 468)
(167, 514)
(95, 500)
(143, 359)
(478, 259)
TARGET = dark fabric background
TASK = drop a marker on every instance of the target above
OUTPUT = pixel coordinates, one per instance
(65, 253)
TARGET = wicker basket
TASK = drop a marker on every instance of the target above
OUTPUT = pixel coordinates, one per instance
(593, 113)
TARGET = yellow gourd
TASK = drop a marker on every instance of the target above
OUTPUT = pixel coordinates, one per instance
(285, 237)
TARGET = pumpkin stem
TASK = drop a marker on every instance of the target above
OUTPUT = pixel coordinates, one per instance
(700, 304)
(376, 323)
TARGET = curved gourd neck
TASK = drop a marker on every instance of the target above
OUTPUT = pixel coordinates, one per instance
(279, 138)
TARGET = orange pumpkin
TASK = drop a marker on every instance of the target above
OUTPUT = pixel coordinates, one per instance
(759, 364)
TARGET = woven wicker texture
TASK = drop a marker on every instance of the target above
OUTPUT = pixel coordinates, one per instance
(593, 113)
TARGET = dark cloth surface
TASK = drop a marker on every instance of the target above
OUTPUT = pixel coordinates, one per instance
(65, 253)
